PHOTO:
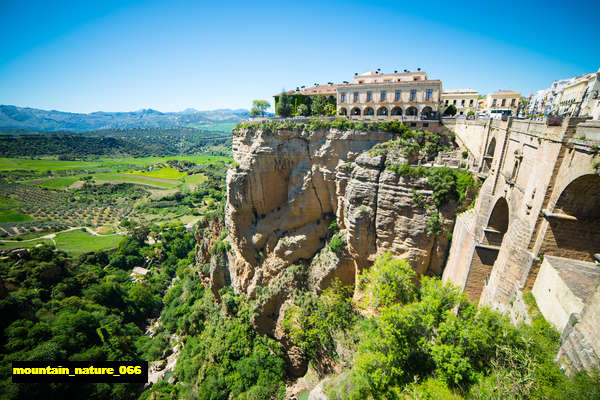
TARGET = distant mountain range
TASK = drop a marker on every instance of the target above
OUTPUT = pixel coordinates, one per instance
(12, 117)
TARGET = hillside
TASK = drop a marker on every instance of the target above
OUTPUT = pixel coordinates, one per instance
(13, 117)
(136, 142)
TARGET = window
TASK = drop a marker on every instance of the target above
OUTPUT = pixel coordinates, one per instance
(413, 95)
(471, 102)
(369, 96)
(397, 95)
(462, 102)
(343, 98)
(503, 102)
(383, 95)
(512, 103)
(356, 97)
(494, 103)
(428, 94)
(446, 101)
(454, 102)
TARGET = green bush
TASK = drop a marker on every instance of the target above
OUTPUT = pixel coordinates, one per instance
(336, 243)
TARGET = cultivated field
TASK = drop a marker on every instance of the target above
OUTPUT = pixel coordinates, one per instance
(41, 196)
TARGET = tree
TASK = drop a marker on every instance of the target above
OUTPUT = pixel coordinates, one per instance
(259, 107)
(284, 107)
(303, 110)
(330, 109)
(319, 105)
(451, 110)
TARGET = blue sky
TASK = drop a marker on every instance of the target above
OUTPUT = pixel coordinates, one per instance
(170, 55)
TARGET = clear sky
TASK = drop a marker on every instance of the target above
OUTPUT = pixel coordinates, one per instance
(170, 55)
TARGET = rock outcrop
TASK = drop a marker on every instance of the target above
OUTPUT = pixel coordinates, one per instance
(289, 185)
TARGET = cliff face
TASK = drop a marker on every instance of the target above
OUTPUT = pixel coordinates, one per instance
(289, 185)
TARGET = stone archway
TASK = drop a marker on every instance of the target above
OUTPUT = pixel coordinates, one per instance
(411, 111)
(355, 111)
(396, 111)
(382, 111)
(343, 111)
(369, 111)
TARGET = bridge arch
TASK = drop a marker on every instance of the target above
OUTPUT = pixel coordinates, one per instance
(487, 251)
(574, 224)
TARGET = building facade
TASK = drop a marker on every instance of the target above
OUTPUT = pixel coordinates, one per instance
(465, 101)
(580, 98)
(502, 102)
(397, 95)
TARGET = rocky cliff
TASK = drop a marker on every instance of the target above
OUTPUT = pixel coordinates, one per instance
(286, 187)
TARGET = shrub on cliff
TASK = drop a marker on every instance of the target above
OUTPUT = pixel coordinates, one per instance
(313, 322)
(336, 243)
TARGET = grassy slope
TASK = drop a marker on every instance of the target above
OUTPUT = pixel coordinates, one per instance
(78, 242)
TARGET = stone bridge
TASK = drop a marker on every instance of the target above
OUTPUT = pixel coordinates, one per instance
(538, 210)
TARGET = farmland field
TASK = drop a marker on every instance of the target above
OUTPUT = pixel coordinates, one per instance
(12, 164)
(74, 242)
(50, 164)
(140, 180)
(13, 216)
(49, 195)
(164, 173)
(195, 179)
(61, 182)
